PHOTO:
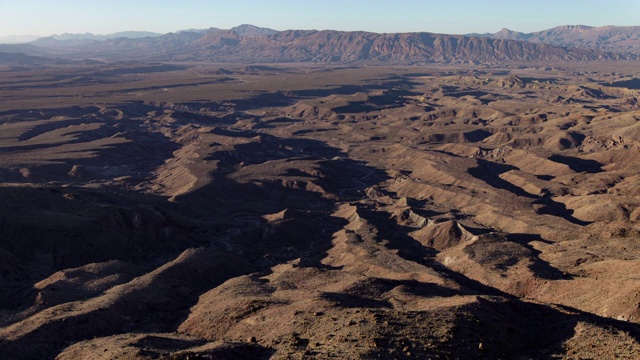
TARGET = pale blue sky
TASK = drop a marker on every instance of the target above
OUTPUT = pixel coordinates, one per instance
(46, 17)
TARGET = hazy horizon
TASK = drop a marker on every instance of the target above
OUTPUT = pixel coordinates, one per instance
(452, 17)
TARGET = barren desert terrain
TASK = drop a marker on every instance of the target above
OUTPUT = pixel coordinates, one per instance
(308, 211)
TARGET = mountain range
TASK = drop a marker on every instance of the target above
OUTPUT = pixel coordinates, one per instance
(65, 40)
(606, 38)
(74, 38)
(248, 43)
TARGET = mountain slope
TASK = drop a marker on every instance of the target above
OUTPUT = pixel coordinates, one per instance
(17, 39)
(248, 43)
(24, 48)
(606, 38)
(506, 34)
(70, 40)
(251, 30)
(90, 36)
(23, 59)
(349, 47)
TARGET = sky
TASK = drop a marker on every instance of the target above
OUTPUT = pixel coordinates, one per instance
(47, 17)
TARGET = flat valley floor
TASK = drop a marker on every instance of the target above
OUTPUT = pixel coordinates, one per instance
(181, 211)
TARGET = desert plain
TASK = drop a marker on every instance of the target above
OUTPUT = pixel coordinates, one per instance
(191, 210)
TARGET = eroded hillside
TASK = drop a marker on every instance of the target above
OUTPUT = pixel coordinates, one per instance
(164, 211)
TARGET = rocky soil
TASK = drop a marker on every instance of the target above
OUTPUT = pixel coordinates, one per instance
(288, 212)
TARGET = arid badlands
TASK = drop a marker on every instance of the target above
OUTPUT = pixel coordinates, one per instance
(467, 207)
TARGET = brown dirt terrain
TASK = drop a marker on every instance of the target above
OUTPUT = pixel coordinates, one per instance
(207, 211)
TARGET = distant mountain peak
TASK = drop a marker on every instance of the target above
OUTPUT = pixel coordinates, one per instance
(247, 26)
(70, 40)
(506, 34)
(18, 39)
(248, 30)
(621, 39)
